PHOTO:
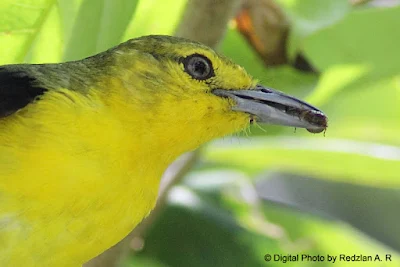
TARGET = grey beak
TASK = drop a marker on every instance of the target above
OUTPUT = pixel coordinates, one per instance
(274, 107)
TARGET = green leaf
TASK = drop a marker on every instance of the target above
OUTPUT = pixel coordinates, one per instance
(356, 53)
(323, 237)
(368, 37)
(340, 160)
(193, 231)
(370, 113)
(309, 16)
(202, 226)
(359, 84)
(20, 24)
(155, 17)
(320, 197)
(48, 46)
(99, 25)
(68, 10)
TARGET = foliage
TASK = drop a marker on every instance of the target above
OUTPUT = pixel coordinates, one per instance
(278, 191)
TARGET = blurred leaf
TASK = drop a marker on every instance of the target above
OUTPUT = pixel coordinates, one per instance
(68, 10)
(155, 17)
(354, 60)
(144, 261)
(20, 25)
(357, 61)
(328, 237)
(340, 160)
(48, 46)
(371, 115)
(299, 232)
(309, 16)
(99, 25)
(330, 84)
(204, 228)
(361, 206)
(369, 37)
(195, 231)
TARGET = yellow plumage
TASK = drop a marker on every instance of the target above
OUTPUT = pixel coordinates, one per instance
(83, 144)
(78, 172)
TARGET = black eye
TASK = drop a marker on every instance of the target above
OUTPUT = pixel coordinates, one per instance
(198, 66)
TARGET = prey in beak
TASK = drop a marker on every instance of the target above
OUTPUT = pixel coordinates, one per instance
(274, 107)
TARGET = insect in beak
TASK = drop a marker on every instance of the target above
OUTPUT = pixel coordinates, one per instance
(274, 107)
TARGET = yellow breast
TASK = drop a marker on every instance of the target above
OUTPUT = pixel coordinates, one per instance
(73, 182)
(78, 172)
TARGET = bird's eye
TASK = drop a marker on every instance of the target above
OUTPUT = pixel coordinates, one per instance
(198, 66)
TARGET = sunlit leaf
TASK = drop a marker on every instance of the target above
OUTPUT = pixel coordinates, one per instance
(369, 113)
(99, 25)
(369, 37)
(20, 24)
(309, 16)
(155, 17)
(342, 160)
(49, 44)
(68, 10)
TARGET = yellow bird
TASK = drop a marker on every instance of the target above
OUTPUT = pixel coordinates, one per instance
(83, 144)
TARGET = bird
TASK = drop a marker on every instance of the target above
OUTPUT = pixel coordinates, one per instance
(83, 144)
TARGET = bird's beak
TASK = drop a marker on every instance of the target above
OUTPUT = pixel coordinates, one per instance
(274, 107)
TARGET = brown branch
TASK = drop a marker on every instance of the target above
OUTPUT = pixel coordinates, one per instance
(359, 2)
(204, 21)
(265, 26)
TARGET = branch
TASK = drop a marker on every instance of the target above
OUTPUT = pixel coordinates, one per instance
(206, 20)
(359, 2)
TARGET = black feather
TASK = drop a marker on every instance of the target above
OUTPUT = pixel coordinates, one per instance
(17, 89)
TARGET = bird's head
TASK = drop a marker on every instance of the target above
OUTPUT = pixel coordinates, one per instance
(187, 87)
